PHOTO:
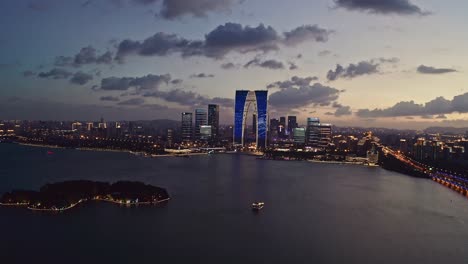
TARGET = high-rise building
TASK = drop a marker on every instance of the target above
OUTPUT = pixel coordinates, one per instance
(318, 135)
(282, 127)
(312, 133)
(213, 120)
(273, 132)
(299, 135)
(205, 133)
(201, 119)
(186, 127)
(254, 124)
(244, 100)
(169, 137)
(292, 123)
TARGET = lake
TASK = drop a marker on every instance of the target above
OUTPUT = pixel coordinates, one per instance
(314, 212)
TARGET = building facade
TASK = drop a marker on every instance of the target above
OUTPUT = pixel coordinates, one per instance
(247, 101)
(201, 119)
(187, 130)
(213, 120)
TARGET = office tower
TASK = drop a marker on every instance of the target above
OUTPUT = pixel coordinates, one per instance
(282, 127)
(89, 126)
(201, 119)
(169, 137)
(213, 120)
(403, 146)
(205, 133)
(299, 135)
(186, 127)
(292, 123)
(274, 123)
(312, 133)
(76, 126)
(244, 100)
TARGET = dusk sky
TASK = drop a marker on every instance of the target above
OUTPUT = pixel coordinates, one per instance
(389, 63)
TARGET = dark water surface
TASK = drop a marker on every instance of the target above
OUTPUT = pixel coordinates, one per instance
(314, 213)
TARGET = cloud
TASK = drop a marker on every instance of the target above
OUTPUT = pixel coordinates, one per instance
(269, 64)
(438, 106)
(432, 70)
(343, 111)
(109, 98)
(189, 98)
(230, 37)
(81, 78)
(177, 81)
(294, 82)
(305, 33)
(148, 82)
(292, 66)
(55, 73)
(228, 66)
(198, 8)
(324, 53)
(400, 7)
(359, 69)
(86, 55)
(133, 101)
(202, 75)
(305, 95)
(28, 73)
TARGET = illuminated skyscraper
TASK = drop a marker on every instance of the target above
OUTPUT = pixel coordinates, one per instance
(292, 123)
(186, 127)
(201, 119)
(213, 120)
(244, 100)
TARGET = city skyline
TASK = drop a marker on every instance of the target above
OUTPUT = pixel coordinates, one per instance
(140, 60)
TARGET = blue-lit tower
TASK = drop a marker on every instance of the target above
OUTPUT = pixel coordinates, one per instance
(259, 101)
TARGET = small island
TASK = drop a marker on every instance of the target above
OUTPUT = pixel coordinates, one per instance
(62, 196)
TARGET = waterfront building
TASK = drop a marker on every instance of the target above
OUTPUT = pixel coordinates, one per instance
(372, 156)
(403, 146)
(201, 119)
(282, 127)
(273, 131)
(292, 123)
(169, 137)
(245, 100)
(318, 135)
(186, 127)
(299, 135)
(205, 133)
(213, 120)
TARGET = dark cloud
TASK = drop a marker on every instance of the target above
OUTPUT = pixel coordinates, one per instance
(432, 70)
(109, 98)
(55, 73)
(295, 82)
(305, 33)
(81, 78)
(305, 95)
(230, 37)
(133, 101)
(293, 66)
(177, 81)
(438, 106)
(148, 82)
(189, 98)
(269, 64)
(353, 70)
(228, 66)
(401, 7)
(87, 55)
(202, 75)
(28, 73)
(155, 107)
(343, 111)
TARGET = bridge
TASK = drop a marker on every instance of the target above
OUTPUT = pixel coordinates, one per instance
(456, 181)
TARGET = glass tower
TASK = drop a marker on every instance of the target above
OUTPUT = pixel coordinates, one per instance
(186, 127)
(213, 120)
(201, 119)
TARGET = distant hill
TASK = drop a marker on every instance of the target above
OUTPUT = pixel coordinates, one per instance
(447, 130)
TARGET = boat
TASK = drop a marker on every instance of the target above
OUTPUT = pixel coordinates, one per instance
(258, 206)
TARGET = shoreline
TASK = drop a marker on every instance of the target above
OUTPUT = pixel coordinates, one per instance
(18, 205)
